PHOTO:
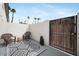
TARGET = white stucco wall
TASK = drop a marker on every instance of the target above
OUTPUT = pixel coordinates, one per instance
(16, 29)
(2, 13)
(3, 28)
(40, 29)
(78, 34)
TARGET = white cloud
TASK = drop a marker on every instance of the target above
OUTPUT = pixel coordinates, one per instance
(50, 13)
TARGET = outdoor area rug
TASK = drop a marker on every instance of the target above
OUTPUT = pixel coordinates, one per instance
(28, 48)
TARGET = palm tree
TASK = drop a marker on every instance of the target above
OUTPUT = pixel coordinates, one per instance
(35, 20)
(9, 13)
(9, 8)
(28, 19)
(38, 19)
(13, 11)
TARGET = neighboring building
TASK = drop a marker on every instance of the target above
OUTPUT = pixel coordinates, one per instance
(4, 12)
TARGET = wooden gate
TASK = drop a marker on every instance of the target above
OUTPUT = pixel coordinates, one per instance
(63, 34)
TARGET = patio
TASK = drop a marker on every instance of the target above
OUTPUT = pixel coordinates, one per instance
(29, 48)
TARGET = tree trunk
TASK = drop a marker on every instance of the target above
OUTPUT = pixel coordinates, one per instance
(12, 17)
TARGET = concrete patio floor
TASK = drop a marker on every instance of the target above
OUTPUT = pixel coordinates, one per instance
(53, 52)
(3, 51)
(50, 51)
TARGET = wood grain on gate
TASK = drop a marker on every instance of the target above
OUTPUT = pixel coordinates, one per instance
(61, 34)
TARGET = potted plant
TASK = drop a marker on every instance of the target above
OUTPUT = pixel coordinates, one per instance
(41, 40)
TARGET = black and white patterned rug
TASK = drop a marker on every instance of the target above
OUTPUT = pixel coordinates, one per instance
(28, 48)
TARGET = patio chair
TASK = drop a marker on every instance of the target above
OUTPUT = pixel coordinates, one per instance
(7, 38)
(27, 35)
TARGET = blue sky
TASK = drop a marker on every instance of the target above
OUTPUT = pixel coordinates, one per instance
(44, 11)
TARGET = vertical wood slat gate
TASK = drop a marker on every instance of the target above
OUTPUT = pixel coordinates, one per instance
(63, 34)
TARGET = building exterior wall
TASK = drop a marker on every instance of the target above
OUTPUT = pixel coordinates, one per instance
(4, 12)
(2, 28)
(40, 29)
(6, 5)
